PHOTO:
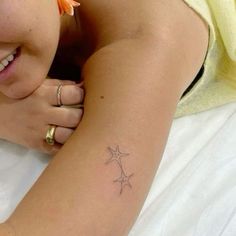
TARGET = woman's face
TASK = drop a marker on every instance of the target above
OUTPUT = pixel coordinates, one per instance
(32, 27)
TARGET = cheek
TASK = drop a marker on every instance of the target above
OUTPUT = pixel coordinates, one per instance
(14, 24)
(21, 21)
(35, 27)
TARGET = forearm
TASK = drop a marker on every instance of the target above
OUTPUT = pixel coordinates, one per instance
(76, 194)
(6, 230)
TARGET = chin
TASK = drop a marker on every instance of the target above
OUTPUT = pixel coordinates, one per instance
(17, 94)
(19, 91)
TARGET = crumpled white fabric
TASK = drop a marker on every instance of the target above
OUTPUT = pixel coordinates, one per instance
(194, 190)
(19, 169)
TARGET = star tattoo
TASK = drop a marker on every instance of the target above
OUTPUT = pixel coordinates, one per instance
(116, 155)
(124, 180)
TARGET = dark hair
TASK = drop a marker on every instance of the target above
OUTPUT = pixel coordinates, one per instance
(64, 69)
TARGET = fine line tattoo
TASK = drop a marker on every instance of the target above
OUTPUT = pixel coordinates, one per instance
(124, 178)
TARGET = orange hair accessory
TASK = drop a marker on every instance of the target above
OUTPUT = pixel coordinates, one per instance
(67, 6)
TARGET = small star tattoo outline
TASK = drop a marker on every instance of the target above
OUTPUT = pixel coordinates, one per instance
(124, 180)
(116, 156)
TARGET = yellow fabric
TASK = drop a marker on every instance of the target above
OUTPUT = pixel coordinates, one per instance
(217, 86)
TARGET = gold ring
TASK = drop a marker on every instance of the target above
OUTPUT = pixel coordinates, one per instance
(59, 102)
(50, 135)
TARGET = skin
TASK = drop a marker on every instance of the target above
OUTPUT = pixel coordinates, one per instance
(82, 192)
(26, 87)
(25, 30)
(34, 120)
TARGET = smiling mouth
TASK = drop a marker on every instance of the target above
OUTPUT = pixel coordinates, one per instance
(7, 64)
(4, 63)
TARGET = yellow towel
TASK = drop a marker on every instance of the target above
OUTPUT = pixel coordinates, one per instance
(225, 16)
(217, 85)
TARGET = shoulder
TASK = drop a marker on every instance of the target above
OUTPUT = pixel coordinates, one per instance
(171, 25)
(129, 18)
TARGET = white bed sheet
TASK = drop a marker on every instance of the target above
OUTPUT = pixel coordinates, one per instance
(193, 192)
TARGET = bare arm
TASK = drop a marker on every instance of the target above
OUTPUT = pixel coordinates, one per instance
(132, 91)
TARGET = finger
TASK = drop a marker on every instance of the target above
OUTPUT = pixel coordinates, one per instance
(81, 84)
(71, 95)
(50, 149)
(56, 82)
(62, 134)
(68, 95)
(65, 117)
(44, 146)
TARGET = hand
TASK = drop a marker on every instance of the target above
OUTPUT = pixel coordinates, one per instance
(26, 121)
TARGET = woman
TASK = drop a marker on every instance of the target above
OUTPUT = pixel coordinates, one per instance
(135, 67)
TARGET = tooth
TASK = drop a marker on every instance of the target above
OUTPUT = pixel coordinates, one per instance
(2, 67)
(10, 58)
(5, 62)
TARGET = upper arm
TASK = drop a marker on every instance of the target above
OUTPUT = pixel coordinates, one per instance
(115, 20)
(170, 22)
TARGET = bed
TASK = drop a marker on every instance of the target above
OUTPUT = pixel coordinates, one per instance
(193, 192)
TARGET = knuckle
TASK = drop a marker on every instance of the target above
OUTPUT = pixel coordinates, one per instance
(40, 93)
(38, 112)
(41, 89)
(32, 143)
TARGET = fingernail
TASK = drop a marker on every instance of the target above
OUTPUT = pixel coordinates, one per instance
(80, 84)
(82, 94)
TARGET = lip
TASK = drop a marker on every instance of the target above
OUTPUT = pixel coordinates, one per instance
(6, 73)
